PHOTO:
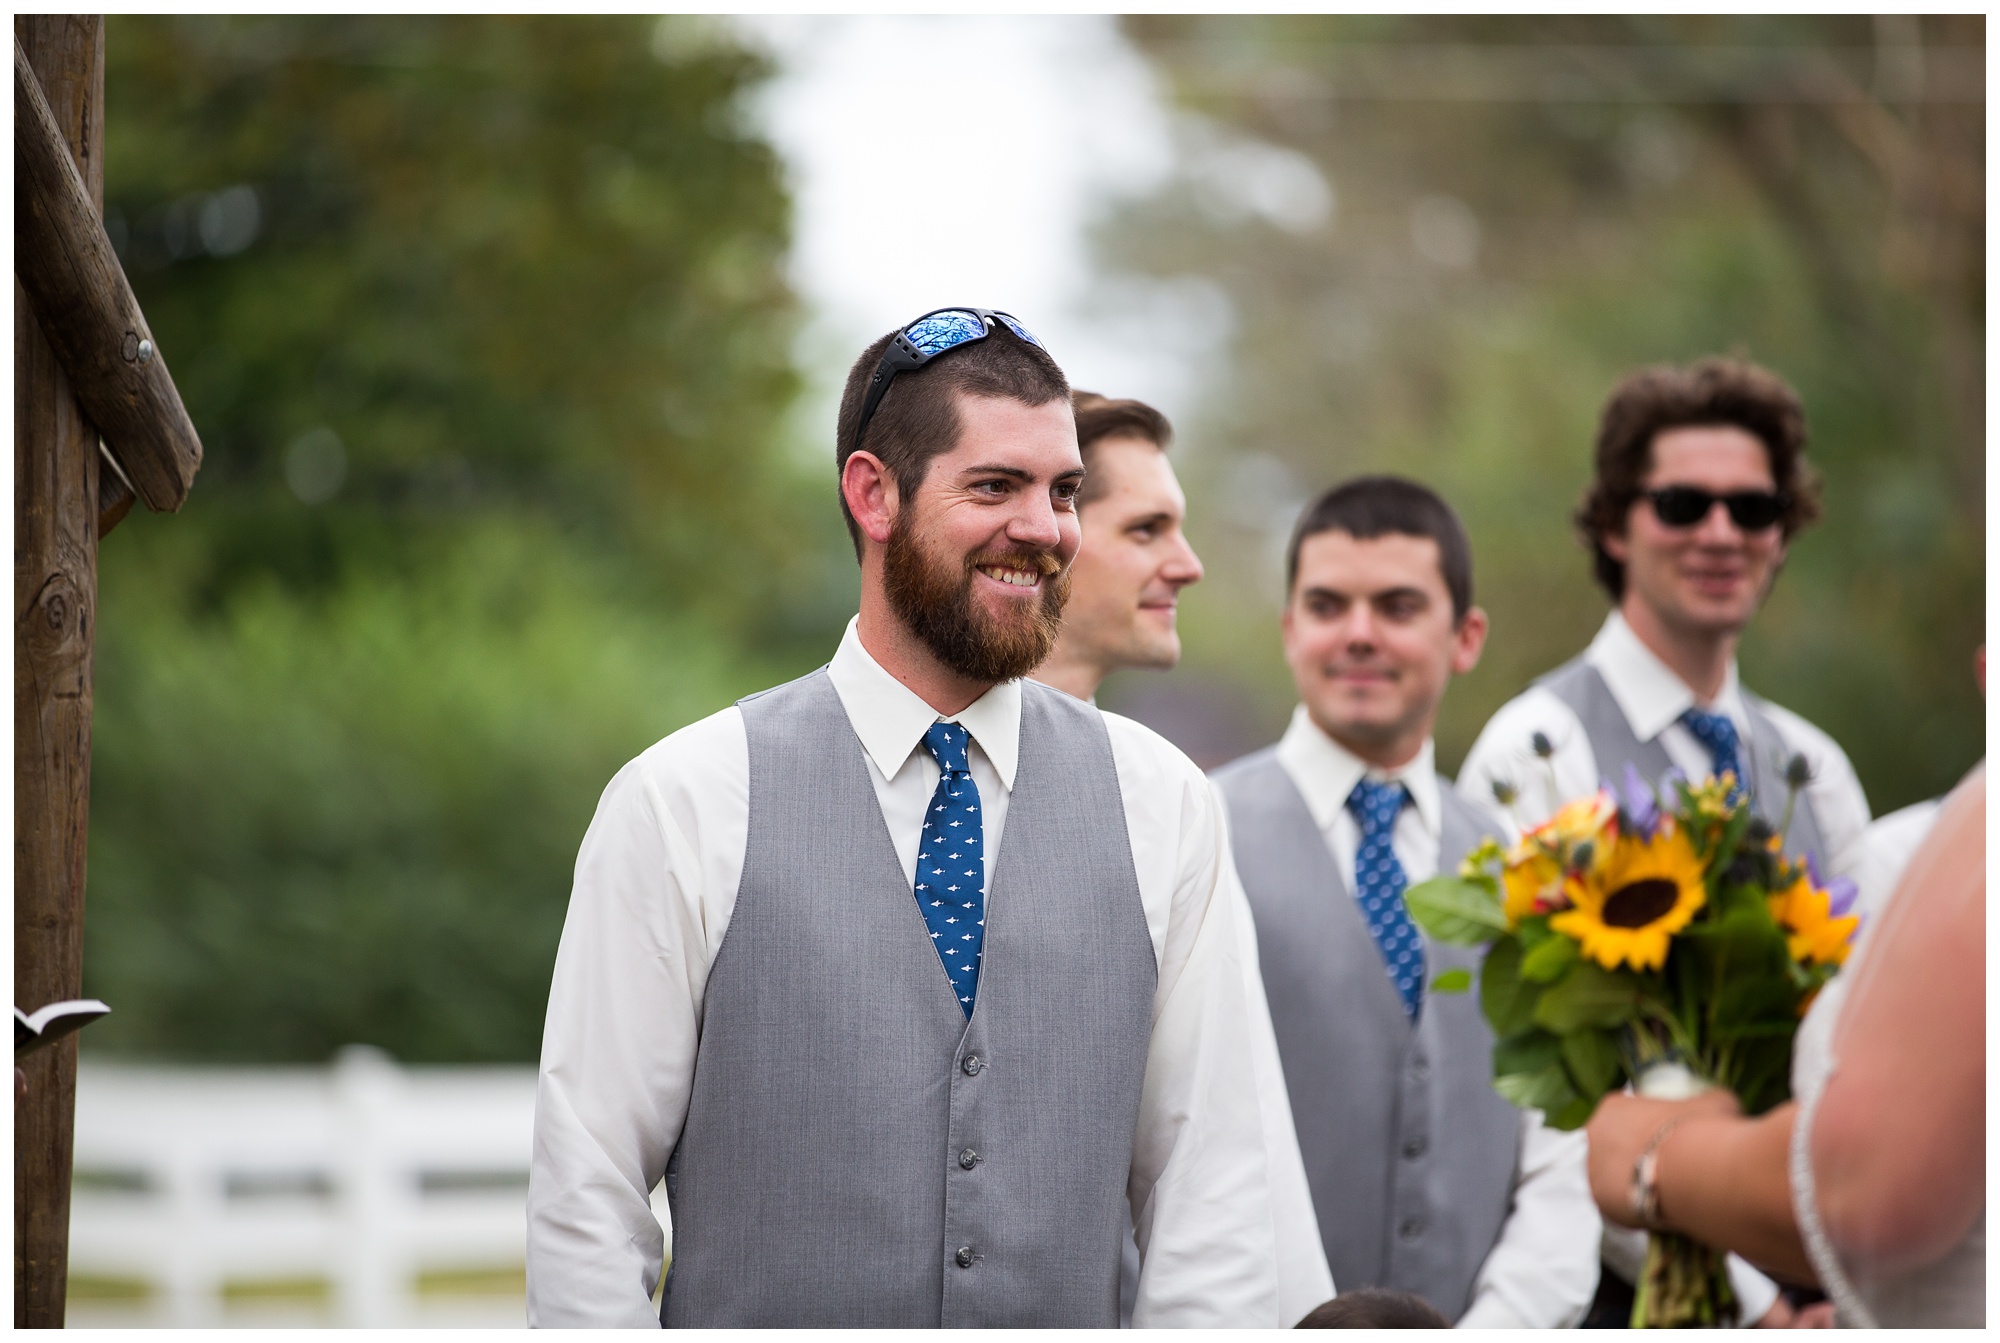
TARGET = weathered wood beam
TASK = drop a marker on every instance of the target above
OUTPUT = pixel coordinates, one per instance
(65, 262)
(56, 466)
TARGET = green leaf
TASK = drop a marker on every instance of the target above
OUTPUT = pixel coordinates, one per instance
(1588, 996)
(1547, 1089)
(1593, 1062)
(1527, 1051)
(1456, 980)
(1548, 961)
(1461, 910)
(1507, 1000)
(1568, 1118)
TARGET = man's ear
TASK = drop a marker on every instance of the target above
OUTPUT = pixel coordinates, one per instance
(869, 488)
(1614, 541)
(1468, 641)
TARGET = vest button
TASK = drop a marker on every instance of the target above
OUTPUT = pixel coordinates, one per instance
(1421, 1066)
(964, 1256)
(968, 1159)
(1410, 1229)
(972, 1064)
(1415, 1148)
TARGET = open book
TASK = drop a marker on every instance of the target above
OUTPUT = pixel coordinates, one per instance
(50, 1024)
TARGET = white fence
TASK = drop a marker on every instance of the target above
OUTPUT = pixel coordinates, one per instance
(363, 1193)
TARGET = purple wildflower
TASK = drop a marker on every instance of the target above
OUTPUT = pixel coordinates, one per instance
(1641, 808)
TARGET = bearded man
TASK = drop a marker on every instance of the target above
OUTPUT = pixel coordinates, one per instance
(774, 988)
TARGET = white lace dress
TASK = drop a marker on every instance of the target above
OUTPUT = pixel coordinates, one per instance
(1947, 1293)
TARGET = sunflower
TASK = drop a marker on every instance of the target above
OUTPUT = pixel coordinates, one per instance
(1805, 912)
(1533, 874)
(1634, 899)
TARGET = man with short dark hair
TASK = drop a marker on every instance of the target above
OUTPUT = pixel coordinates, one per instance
(1425, 1180)
(915, 980)
(1701, 483)
(1126, 582)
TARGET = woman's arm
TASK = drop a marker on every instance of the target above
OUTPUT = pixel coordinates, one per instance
(1721, 1177)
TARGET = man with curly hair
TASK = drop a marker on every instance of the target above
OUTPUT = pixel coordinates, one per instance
(1700, 485)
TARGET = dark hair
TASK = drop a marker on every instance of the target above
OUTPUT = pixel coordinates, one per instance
(1375, 1308)
(917, 418)
(1710, 391)
(1370, 506)
(1100, 417)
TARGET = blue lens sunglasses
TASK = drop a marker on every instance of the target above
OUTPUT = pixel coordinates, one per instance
(924, 340)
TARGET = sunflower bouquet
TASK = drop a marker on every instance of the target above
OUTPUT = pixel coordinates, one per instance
(1662, 941)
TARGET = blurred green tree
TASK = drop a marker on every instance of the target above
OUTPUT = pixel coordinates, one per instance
(485, 327)
(1441, 241)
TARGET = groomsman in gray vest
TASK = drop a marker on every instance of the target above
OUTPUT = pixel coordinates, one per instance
(1425, 1180)
(1124, 590)
(774, 993)
(1700, 485)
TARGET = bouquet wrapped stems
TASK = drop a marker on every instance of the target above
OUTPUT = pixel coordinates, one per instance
(1685, 1285)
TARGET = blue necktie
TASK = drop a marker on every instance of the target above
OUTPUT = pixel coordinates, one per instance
(1379, 881)
(1718, 734)
(951, 865)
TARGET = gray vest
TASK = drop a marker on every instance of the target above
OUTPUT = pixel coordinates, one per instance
(857, 1154)
(1409, 1151)
(1581, 686)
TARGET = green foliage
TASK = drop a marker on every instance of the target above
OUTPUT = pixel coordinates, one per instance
(1600, 216)
(1456, 980)
(410, 269)
(484, 325)
(1505, 997)
(353, 818)
(1588, 996)
(1463, 910)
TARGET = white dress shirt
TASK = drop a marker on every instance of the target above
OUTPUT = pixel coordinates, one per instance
(1653, 697)
(1542, 1271)
(1220, 1206)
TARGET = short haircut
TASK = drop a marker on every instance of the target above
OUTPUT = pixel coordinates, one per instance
(1101, 417)
(1370, 506)
(1710, 391)
(1375, 1308)
(917, 418)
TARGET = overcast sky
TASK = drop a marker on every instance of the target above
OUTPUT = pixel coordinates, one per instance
(947, 160)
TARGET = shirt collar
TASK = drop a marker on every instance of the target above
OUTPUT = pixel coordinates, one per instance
(891, 719)
(1326, 772)
(1649, 693)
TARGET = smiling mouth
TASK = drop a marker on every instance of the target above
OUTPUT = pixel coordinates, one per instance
(1013, 578)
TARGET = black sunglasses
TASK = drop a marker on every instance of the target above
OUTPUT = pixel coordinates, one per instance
(925, 339)
(1750, 510)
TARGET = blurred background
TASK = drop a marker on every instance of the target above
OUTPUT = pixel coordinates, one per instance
(514, 343)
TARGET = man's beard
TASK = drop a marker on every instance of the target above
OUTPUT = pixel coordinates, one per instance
(933, 597)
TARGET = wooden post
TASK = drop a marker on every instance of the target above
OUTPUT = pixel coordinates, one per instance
(56, 466)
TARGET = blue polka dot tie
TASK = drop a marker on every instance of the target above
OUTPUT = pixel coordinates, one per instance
(1718, 734)
(1379, 882)
(951, 865)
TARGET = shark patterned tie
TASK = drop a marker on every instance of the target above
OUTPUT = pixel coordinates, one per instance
(951, 865)
(1379, 881)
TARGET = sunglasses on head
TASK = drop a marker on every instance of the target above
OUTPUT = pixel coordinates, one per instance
(1686, 505)
(925, 339)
